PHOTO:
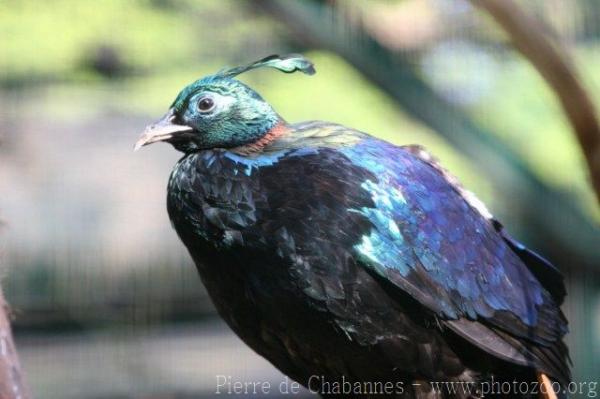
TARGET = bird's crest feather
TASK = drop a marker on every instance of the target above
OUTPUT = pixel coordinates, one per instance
(288, 63)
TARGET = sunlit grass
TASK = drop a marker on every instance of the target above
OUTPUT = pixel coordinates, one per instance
(165, 44)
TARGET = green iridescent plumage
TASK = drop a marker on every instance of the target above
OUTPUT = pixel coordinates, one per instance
(288, 64)
(222, 111)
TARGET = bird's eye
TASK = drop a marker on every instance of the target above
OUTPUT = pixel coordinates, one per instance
(206, 104)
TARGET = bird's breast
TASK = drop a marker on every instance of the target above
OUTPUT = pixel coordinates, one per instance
(212, 195)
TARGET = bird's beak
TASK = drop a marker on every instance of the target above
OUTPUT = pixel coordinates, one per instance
(162, 130)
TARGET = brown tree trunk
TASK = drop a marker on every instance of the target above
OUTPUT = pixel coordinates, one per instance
(11, 377)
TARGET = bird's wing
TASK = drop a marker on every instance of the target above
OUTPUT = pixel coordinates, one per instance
(550, 277)
(438, 245)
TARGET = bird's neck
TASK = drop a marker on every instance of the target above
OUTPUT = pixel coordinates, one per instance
(281, 128)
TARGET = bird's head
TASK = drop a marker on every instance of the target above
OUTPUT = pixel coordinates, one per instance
(219, 111)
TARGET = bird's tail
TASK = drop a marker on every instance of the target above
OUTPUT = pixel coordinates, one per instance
(548, 388)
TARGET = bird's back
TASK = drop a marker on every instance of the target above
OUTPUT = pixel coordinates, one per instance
(330, 234)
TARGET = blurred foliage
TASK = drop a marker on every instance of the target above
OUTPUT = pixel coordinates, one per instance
(186, 41)
(105, 68)
(522, 110)
(55, 40)
(56, 60)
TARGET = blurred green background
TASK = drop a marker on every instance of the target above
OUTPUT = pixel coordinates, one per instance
(106, 301)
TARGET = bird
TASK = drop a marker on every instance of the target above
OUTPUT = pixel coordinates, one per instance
(357, 267)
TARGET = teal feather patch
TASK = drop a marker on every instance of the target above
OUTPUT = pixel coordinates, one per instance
(288, 63)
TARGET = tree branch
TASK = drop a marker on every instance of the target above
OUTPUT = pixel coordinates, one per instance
(554, 65)
(11, 377)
